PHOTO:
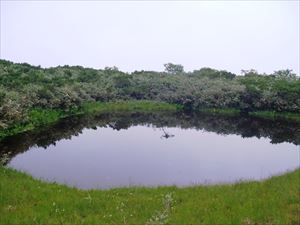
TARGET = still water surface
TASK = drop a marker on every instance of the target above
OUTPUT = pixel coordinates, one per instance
(124, 151)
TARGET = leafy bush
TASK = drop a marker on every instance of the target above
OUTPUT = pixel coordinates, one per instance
(23, 87)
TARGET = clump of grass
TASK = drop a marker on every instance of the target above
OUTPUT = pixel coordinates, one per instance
(161, 217)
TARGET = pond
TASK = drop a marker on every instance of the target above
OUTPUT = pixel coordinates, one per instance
(155, 149)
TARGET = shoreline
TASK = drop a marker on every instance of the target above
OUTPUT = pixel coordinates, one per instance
(39, 117)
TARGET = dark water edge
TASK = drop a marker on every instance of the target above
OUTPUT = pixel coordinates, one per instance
(278, 131)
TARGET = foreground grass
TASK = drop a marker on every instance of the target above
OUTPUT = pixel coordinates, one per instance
(24, 200)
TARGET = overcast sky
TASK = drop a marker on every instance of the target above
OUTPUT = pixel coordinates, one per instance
(145, 35)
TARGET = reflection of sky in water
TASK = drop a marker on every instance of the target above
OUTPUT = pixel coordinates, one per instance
(106, 158)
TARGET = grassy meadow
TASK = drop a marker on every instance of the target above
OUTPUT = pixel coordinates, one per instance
(24, 200)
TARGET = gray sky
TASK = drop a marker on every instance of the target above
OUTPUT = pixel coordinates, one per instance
(144, 35)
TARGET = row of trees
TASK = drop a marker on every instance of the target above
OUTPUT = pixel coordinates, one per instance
(23, 86)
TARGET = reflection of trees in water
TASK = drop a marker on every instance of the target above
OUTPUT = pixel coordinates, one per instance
(278, 131)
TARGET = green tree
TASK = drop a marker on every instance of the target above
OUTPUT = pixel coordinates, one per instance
(285, 74)
(173, 68)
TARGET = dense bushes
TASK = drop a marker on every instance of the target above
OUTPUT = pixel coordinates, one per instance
(23, 87)
(271, 93)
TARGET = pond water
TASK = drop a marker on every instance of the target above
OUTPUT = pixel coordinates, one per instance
(134, 149)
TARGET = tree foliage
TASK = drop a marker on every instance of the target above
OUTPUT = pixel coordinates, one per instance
(23, 87)
(173, 68)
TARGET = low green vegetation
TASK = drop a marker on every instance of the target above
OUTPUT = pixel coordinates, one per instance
(271, 115)
(224, 111)
(123, 106)
(24, 200)
(277, 115)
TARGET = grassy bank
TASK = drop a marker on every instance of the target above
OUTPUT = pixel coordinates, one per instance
(39, 117)
(219, 111)
(24, 200)
(271, 115)
(123, 106)
(277, 115)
